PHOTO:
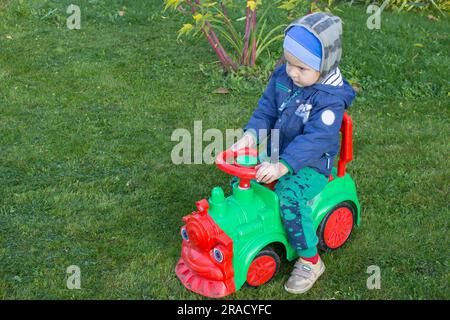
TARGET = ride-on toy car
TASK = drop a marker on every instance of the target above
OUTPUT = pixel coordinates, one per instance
(227, 241)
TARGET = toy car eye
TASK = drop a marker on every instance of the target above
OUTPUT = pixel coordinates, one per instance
(218, 255)
(184, 234)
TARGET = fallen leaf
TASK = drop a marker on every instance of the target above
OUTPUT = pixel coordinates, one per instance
(355, 85)
(221, 90)
(121, 13)
(431, 17)
(9, 37)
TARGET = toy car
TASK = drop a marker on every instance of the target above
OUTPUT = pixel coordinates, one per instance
(228, 241)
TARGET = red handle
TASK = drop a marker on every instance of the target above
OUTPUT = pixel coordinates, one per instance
(245, 173)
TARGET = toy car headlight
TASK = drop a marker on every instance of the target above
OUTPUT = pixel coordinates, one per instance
(184, 234)
(218, 255)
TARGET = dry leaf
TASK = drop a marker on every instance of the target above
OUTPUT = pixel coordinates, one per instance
(431, 17)
(221, 90)
(355, 85)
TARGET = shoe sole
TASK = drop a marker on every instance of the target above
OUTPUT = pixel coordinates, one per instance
(307, 288)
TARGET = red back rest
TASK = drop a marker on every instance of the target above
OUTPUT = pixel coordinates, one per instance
(346, 154)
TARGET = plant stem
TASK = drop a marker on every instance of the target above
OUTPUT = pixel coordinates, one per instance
(226, 61)
(230, 27)
(246, 37)
(216, 50)
(254, 38)
(224, 10)
(227, 58)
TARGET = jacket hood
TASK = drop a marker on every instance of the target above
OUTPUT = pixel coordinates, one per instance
(344, 92)
(328, 29)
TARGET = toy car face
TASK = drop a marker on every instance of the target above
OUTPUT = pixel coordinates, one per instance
(206, 263)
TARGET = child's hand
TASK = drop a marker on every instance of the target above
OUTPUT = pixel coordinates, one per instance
(268, 172)
(245, 141)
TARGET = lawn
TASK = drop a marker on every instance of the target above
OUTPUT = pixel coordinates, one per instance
(85, 160)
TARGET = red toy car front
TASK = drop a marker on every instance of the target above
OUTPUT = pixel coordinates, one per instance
(206, 263)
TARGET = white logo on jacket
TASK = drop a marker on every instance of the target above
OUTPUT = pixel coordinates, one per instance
(328, 117)
(303, 111)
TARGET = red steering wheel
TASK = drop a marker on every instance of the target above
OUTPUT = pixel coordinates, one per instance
(245, 173)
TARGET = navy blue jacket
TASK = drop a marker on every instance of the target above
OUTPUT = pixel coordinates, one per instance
(308, 120)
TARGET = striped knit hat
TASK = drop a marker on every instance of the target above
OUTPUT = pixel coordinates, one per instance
(303, 45)
(316, 41)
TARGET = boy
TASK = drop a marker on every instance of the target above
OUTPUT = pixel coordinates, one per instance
(305, 99)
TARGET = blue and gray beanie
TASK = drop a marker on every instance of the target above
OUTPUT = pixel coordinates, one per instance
(315, 39)
(304, 45)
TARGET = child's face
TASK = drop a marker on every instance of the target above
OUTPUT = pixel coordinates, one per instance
(300, 73)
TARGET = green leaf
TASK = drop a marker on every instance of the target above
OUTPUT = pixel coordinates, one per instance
(227, 37)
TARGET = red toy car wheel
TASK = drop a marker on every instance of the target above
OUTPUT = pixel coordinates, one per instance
(263, 268)
(336, 227)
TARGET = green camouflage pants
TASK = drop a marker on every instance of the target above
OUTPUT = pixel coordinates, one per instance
(294, 192)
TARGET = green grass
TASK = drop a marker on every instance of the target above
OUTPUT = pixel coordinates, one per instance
(85, 168)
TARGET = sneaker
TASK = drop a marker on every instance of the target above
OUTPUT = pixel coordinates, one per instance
(304, 275)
